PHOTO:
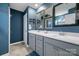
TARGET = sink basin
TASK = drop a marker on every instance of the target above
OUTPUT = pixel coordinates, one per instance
(62, 34)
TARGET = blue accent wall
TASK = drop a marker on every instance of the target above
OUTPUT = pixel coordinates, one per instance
(74, 29)
(16, 26)
(4, 20)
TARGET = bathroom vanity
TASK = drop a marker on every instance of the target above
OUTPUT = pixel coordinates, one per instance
(48, 44)
(47, 41)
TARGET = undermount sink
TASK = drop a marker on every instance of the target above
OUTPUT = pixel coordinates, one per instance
(62, 34)
(45, 32)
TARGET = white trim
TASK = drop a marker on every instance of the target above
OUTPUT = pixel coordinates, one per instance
(27, 45)
(9, 28)
(16, 42)
(7, 54)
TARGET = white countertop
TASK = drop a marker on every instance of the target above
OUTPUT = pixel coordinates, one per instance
(57, 36)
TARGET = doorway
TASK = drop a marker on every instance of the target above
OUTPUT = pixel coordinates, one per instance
(16, 26)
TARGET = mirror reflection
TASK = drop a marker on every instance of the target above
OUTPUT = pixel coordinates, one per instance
(65, 14)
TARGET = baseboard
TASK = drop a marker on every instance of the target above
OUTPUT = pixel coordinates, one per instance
(16, 42)
(26, 45)
(7, 54)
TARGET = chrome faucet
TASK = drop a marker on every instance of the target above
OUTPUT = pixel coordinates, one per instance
(46, 31)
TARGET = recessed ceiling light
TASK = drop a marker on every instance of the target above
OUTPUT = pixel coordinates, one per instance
(36, 5)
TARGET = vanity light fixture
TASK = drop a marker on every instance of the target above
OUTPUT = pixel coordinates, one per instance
(36, 5)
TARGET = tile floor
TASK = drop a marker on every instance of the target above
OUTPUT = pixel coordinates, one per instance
(19, 50)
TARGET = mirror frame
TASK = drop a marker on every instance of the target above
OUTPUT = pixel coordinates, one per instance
(65, 24)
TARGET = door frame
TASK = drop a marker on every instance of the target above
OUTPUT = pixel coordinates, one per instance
(9, 28)
(24, 29)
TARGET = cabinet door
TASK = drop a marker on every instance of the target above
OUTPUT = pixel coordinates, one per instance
(39, 45)
(39, 41)
(50, 50)
(39, 50)
(74, 49)
(32, 41)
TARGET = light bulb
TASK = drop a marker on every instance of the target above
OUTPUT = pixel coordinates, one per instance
(36, 5)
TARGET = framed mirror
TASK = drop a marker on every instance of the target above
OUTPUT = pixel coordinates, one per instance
(48, 18)
(48, 23)
(40, 20)
(64, 14)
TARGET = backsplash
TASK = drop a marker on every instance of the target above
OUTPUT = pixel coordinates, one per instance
(71, 30)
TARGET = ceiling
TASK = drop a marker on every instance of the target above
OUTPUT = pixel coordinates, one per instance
(22, 6)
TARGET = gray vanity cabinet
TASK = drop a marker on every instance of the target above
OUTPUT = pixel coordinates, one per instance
(39, 45)
(65, 46)
(52, 48)
(32, 41)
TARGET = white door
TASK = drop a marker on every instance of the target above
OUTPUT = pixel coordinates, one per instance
(25, 29)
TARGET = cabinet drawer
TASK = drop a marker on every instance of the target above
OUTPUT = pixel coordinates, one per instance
(31, 36)
(64, 45)
(39, 37)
